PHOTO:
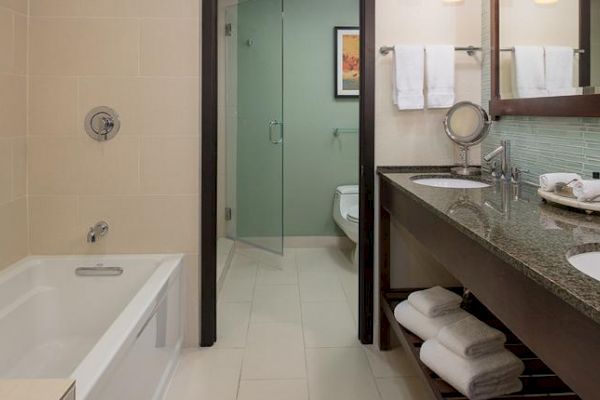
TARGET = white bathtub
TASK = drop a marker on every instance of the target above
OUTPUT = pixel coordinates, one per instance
(118, 336)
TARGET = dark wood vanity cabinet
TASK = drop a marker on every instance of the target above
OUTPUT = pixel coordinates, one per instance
(566, 340)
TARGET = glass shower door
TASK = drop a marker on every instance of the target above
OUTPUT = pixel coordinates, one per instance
(255, 124)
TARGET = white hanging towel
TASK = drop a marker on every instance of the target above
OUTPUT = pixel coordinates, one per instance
(559, 71)
(439, 73)
(409, 71)
(530, 77)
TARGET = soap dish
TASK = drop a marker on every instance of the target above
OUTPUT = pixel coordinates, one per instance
(552, 197)
(563, 189)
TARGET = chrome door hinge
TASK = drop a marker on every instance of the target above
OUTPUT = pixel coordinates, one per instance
(227, 213)
(228, 30)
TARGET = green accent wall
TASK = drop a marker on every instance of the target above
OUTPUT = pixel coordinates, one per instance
(541, 145)
(314, 161)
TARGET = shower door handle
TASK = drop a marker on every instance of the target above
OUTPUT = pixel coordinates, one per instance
(272, 125)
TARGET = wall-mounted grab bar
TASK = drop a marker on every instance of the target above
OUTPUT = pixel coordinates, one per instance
(99, 271)
(337, 132)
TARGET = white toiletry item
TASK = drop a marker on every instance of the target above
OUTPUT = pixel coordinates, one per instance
(559, 71)
(439, 75)
(421, 325)
(480, 378)
(471, 338)
(587, 190)
(530, 76)
(409, 75)
(434, 301)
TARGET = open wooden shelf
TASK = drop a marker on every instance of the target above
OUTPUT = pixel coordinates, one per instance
(539, 382)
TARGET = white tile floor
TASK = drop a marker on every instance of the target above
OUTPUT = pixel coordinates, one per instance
(287, 331)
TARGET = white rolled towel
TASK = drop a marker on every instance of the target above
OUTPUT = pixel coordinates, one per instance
(587, 190)
(421, 325)
(480, 378)
(471, 338)
(435, 301)
(548, 181)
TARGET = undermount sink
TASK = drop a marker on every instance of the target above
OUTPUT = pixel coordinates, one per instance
(450, 183)
(587, 262)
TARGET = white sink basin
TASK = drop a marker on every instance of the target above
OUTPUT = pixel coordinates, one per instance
(451, 183)
(588, 263)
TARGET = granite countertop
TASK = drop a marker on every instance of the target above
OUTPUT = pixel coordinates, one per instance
(517, 226)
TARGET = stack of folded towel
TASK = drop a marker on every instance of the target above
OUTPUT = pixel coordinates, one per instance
(426, 312)
(583, 189)
(471, 357)
(465, 352)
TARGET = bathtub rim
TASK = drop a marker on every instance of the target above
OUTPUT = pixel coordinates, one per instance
(121, 332)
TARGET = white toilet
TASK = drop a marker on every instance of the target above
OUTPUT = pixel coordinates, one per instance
(345, 213)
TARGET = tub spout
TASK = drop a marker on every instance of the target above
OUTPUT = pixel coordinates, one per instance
(97, 231)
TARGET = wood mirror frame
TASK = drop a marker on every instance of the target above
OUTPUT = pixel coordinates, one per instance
(564, 106)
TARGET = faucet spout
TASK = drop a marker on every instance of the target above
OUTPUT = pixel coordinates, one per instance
(493, 154)
(504, 150)
(97, 231)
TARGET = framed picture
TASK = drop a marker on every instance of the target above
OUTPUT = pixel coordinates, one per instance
(347, 61)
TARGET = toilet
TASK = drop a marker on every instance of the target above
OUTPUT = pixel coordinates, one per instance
(345, 213)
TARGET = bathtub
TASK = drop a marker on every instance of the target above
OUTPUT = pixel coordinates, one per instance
(118, 336)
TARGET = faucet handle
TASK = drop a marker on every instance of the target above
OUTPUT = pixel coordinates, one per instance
(515, 174)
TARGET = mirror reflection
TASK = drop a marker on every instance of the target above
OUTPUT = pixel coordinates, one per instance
(549, 48)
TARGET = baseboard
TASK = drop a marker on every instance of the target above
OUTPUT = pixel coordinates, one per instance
(340, 242)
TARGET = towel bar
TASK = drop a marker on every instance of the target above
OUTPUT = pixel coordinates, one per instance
(337, 132)
(385, 50)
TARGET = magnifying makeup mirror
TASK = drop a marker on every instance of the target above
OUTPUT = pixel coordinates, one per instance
(467, 124)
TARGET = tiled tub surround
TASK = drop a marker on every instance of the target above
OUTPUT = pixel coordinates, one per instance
(540, 144)
(141, 58)
(57, 324)
(13, 111)
(531, 236)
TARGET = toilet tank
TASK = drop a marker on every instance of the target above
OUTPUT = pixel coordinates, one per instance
(348, 196)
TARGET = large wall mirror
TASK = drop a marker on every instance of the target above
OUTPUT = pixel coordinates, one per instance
(545, 57)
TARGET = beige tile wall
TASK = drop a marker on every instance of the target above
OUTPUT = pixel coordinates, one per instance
(13, 129)
(141, 58)
(417, 137)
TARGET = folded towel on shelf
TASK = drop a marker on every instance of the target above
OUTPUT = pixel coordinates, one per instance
(559, 71)
(409, 75)
(421, 325)
(548, 181)
(471, 338)
(480, 378)
(587, 190)
(530, 76)
(439, 75)
(435, 301)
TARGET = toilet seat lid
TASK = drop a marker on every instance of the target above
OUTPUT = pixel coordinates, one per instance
(347, 189)
(353, 214)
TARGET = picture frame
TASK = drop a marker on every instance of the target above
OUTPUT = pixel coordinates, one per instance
(347, 61)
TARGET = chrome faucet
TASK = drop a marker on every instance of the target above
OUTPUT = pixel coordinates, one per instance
(504, 150)
(97, 231)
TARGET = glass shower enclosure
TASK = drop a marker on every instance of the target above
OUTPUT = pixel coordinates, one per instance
(254, 126)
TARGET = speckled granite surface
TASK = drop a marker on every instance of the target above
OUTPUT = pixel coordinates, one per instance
(529, 234)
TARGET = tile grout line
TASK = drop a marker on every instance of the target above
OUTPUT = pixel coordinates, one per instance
(239, 384)
(302, 325)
